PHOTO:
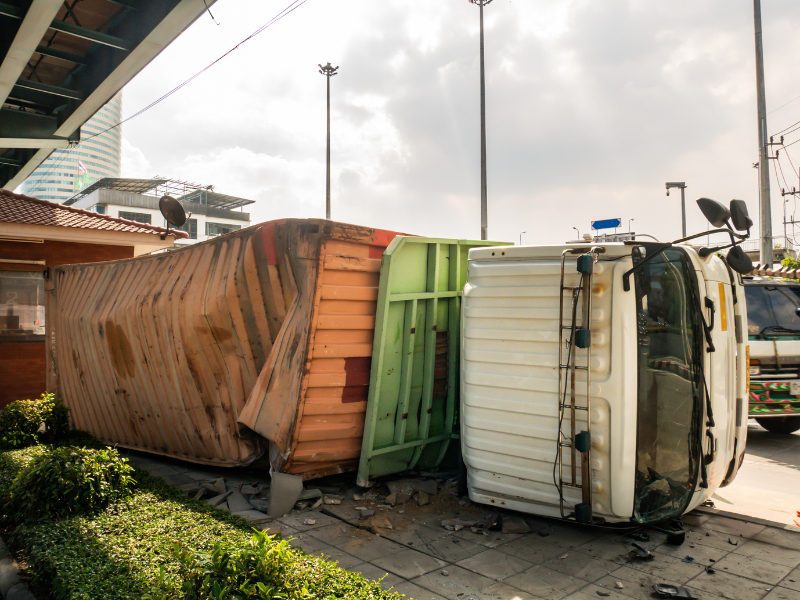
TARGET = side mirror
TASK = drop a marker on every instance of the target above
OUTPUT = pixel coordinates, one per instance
(714, 212)
(741, 220)
(739, 261)
(797, 311)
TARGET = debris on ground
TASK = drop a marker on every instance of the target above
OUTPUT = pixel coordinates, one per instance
(642, 553)
(666, 590)
(515, 525)
(688, 559)
(332, 500)
(639, 536)
(733, 542)
(423, 498)
(457, 524)
(710, 570)
(219, 499)
(284, 492)
(619, 585)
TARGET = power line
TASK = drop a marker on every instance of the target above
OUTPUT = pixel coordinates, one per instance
(782, 105)
(295, 4)
(784, 129)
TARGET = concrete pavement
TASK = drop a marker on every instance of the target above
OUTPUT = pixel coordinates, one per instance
(408, 548)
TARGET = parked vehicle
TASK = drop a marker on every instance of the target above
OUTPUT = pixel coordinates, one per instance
(773, 328)
(605, 383)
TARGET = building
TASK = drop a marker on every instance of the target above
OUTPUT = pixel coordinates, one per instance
(209, 213)
(36, 234)
(99, 155)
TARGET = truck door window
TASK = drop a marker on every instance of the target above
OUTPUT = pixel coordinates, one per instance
(669, 388)
(771, 311)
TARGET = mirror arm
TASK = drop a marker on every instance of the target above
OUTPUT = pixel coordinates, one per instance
(626, 276)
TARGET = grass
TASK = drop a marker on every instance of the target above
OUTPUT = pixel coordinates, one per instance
(148, 544)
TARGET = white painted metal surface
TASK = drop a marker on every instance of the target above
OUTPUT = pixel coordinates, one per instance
(509, 395)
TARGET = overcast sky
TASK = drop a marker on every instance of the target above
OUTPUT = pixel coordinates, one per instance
(591, 107)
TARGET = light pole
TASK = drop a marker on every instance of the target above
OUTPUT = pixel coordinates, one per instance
(329, 72)
(520, 237)
(765, 207)
(629, 225)
(682, 186)
(579, 233)
(484, 209)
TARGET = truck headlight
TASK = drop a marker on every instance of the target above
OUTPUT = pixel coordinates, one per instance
(755, 368)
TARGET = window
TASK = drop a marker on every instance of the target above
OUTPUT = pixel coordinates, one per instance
(190, 227)
(221, 228)
(21, 306)
(771, 311)
(100, 209)
(670, 354)
(138, 217)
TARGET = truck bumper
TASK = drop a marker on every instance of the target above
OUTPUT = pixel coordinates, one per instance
(772, 398)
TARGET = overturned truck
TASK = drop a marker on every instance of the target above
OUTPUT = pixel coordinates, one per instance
(320, 346)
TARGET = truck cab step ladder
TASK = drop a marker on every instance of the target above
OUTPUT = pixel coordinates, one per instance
(578, 339)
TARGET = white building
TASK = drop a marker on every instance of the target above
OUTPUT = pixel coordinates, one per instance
(209, 213)
(100, 154)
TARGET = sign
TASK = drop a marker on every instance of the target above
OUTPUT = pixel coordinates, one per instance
(607, 224)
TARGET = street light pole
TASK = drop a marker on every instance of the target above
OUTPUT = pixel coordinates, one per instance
(329, 72)
(484, 207)
(629, 225)
(520, 237)
(682, 186)
(765, 209)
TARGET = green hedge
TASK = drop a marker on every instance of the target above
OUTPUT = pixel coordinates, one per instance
(28, 422)
(156, 542)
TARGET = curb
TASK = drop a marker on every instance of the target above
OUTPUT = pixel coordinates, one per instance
(12, 587)
(715, 512)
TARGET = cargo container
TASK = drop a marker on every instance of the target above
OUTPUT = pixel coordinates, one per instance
(257, 344)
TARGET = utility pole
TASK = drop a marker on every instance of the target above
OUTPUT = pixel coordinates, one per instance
(765, 209)
(329, 72)
(484, 208)
(682, 186)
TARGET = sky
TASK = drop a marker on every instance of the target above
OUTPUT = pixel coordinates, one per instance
(590, 106)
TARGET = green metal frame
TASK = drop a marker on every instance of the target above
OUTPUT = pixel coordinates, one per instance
(419, 299)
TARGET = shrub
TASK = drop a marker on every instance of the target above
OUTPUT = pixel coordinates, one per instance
(67, 481)
(28, 422)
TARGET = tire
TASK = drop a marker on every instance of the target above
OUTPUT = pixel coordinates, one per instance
(782, 425)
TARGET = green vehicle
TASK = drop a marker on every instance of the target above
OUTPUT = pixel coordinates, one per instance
(773, 326)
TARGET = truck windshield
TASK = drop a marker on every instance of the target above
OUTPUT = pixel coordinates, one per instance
(669, 387)
(771, 311)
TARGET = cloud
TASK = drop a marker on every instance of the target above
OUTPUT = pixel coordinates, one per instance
(591, 107)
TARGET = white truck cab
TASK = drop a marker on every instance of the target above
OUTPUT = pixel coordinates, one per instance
(603, 383)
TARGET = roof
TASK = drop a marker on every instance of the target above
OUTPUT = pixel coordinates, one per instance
(16, 208)
(162, 186)
(60, 62)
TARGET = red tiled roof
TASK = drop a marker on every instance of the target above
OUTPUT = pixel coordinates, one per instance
(16, 208)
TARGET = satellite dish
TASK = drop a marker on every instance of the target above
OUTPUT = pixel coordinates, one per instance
(172, 210)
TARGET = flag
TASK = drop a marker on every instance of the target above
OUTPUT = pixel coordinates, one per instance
(82, 168)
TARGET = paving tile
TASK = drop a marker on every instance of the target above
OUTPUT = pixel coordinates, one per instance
(542, 582)
(410, 590)
(298, 520)
(453, 549)
(705, 555)
(370, 548)
(635, 583)
(715, 539)
(409, 563)
(489, 539)
(177, 479)
(591, 591)
(792, 580)
(343, 559)
(733, 527)
(753, 568)
(730, 587)
(581, 566)
(278, 528)
(615, 550)
(417, 534)
(503, 591)
(695, 518)
(533, 548)
(776, 554)
(668, 568)
(779, 537)
(307, 544)
(495, 564)
(370, 571)
(782, 593)
(571, 535)
(457, 583)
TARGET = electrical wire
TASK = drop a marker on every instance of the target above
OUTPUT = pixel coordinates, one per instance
(785, 128)
(782, 105)
(294, 5)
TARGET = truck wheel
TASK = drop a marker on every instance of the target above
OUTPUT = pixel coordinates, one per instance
(784, 425)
